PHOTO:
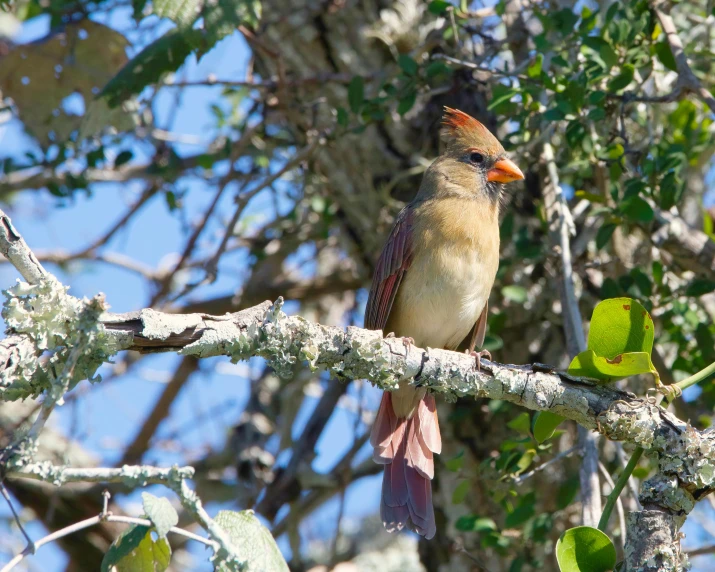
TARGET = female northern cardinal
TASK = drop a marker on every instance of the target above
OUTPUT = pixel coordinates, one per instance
(431, 285)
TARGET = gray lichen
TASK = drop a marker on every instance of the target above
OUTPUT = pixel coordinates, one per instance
(653, 543)
(666, 492)
(54, 322)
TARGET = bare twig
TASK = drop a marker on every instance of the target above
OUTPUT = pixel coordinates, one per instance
(6, 496)
(562, 455)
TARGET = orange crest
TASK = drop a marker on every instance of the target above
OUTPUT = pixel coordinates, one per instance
(464, 131)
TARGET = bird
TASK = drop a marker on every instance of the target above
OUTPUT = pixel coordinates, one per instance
(431, 287)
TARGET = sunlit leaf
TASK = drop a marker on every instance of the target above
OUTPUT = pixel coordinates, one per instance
(588, 364)
(585, 549)
(251, 540)
(135, 550)
(159, 510)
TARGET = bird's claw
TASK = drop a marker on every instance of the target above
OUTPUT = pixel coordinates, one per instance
(479, 355)
(407, 341)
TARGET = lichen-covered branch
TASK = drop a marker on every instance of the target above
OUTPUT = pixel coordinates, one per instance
(265, 330)
(128, 475)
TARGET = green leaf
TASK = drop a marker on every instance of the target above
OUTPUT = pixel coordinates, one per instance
(642, 282)
(408, 65)
(521, 423)
(620, 341)
(123, 157)
(567, 492)
(436, 69)
(553, 114)
(534, 69)
(514, 293)
(665, 55)
(136, 551)
(585, 549)
(473, 523)
(603, 49)
(588, 364)
(164, 54)
(524, 461)
(700, 287)
(407, 102)
(223, 17)
(438, 7)
(251, 540)
(604, 234)
(596, 97)
(183, 12)
(343, 119)
(638, 210)
(519, 515)
(456, 462)
(658, 272)
(501, 94)
(622, 80)
(160, 512)
(460, 492)
(669, 191)
(706, 343)
(620, 325)
(545, 423)
(597, 114)
(356, 94)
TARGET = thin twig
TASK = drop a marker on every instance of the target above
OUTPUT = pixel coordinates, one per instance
(16, 516)
(521, 478)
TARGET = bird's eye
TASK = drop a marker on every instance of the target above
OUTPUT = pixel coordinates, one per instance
(476, 158)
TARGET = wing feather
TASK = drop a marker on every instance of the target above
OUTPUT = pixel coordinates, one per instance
(394, 261)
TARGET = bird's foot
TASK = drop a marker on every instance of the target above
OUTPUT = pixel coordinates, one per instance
(407, 341)
(479, 355)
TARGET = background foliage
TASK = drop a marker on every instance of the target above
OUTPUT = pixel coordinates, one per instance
(317, 122)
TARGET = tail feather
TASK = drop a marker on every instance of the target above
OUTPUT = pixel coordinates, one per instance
(394, 482)
(385, 423)
(406, 447)
(418, 455)
(429, 424)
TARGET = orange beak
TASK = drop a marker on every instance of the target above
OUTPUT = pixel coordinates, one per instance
(504, 171)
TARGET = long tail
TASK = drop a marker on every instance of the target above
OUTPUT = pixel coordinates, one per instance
(406, 447)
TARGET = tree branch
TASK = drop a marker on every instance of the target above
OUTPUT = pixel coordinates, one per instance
(687, 80)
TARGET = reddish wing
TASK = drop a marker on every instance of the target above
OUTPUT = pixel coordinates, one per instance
(395, 259)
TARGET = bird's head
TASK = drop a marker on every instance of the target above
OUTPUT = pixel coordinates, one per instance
(473, 159)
